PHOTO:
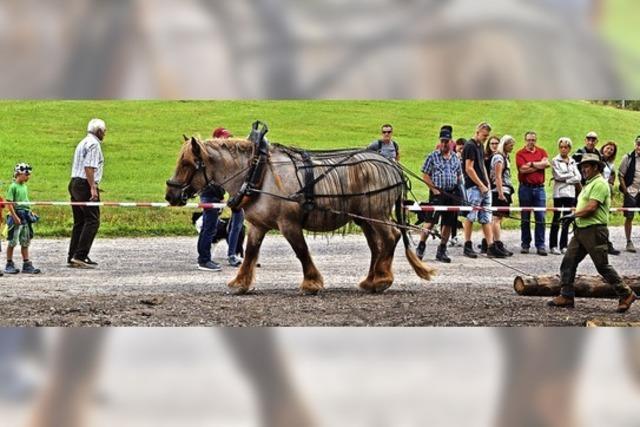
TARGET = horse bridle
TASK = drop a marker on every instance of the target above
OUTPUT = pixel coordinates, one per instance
(186, 189)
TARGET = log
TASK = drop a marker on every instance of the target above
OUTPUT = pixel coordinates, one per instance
(586, 286)
(603, 323)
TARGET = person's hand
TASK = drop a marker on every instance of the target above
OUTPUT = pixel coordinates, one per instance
(568, 219)
(483, 189)
(16, 220)
(94, 194)
(435, 191)
(502, 197)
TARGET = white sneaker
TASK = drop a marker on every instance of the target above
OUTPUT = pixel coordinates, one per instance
(564, 250)
(555, 251)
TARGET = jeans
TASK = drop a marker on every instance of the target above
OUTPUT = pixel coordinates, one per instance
(560, 202)
(532, 197)
(86, 220)
(237, 220)
(209, 224)
(483, 201)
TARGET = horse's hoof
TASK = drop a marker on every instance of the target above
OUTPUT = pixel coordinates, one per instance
(239, 291)
(309, 292)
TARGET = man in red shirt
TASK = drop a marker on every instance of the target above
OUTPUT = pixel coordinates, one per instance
(532, 161)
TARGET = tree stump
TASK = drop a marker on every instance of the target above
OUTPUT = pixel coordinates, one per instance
(585, 286)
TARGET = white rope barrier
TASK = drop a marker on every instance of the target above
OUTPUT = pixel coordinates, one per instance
(414, 208)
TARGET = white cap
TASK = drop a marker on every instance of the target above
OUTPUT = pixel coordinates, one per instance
(592, 134)
(95, 125)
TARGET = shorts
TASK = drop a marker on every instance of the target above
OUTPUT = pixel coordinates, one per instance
(483, 201)
(18, 234)
(496, 202)
(631, 202)
(448, 218)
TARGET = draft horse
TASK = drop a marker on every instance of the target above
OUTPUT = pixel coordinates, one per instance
(291, 190)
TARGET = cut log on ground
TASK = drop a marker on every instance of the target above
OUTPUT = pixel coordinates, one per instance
(602, 323)
(586, 286)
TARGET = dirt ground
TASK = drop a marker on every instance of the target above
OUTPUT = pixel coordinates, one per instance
(154, 282)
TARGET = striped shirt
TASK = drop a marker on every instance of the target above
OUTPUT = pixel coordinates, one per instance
(445, 173)
(88, 155)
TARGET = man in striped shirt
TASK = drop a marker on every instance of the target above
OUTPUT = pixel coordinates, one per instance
(86, 174)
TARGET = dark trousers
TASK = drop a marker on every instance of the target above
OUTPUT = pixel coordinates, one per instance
(86, 220)
(560, 202)
(208, 230)
(592, 241)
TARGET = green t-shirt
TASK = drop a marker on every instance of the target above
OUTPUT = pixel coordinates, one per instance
(18, 193)
(597, 188)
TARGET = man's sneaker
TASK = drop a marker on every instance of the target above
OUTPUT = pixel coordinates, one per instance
(500, 245)
(28, 268)
(541, 251)
(468, 250)
(625, 302)
(455, 242)
(210, 266)
(494, 252)
(555, 251)
(81, 263)
(441, 254)
(235, 261)
(524, 250)
(420, 249)
(630, 247)
(611, 250)
(11, 268)
(562, 302)
(563, 251)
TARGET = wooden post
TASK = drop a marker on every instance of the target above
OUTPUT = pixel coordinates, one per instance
(585, 286)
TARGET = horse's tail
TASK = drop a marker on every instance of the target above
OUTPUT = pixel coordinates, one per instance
(422, 270)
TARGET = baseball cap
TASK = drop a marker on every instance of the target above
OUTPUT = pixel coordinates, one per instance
(592, 134)
(221, 133)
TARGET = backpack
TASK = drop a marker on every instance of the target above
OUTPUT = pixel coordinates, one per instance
(395, 145)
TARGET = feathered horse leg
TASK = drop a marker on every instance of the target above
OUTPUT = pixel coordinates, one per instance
(246, 274)
(312, 282)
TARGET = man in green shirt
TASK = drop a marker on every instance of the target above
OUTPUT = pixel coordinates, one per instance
(591, 237)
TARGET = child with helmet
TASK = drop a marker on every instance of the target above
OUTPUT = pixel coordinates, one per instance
(20, 220)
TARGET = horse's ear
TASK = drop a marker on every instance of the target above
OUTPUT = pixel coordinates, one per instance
(195, 147)
(186, 138)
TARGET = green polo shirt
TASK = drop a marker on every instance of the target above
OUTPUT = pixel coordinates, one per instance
(597, 188)
(18, 193)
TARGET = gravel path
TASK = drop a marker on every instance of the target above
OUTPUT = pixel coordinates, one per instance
(153, 281)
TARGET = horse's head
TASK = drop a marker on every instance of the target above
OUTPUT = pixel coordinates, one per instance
(190, 175)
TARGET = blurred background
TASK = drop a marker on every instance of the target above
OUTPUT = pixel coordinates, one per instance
(63, 49)
(325, 377)
(259, 49)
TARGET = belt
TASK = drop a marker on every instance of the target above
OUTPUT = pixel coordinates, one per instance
(526, 184)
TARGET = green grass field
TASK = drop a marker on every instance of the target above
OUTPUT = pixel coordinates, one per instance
(144, 137)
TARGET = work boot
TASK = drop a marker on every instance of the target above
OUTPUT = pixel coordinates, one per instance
(630, 247)
(420, 250)
(483, 246)
(468, 250)
(611, 250)
(502, 248)
(625, 302)
(562, 302)
(494, 252)
(28, 268)
(441, 254)
(11, 268)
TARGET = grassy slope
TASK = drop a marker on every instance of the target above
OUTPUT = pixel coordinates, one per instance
(144, 136)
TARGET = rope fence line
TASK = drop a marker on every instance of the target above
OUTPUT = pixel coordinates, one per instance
(413, 208)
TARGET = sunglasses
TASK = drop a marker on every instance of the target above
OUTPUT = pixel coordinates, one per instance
(387, 131)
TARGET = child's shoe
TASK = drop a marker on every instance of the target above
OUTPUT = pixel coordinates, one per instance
(11, 268)
(28, 268)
